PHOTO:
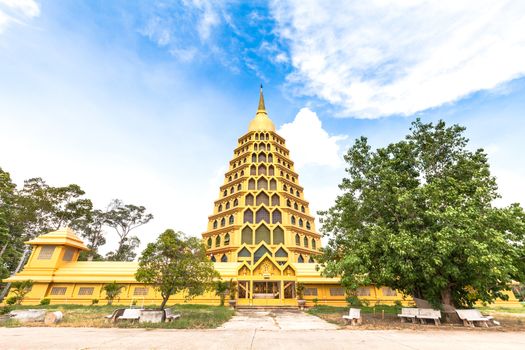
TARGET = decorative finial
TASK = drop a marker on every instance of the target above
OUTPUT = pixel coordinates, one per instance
(261, 108)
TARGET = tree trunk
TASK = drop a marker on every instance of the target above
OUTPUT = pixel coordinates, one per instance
(449, 311)
(18, 268)
(3, 250)
(164, 301)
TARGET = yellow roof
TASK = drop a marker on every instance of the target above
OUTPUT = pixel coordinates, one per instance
(64, 236)
(261, 122)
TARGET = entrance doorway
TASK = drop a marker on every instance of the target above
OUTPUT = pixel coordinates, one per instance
(266, 289)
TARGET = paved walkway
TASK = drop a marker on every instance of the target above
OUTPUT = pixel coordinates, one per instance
(274, 320)
(115, 338)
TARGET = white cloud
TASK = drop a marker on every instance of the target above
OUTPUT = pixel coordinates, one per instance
(17, 11)
(309, 143)
(209, 16)
(378, 58)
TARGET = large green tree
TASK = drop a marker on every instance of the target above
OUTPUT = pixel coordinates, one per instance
(418, 216)
(175, 263)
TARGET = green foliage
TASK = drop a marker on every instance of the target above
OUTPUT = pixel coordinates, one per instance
(45, 301)
(299, 289)
(417, 216)
(353, 300)
(175, 263)
(112, 291)
(316, 301)
(94, 301)
(5, 309)
(221, 287)
(12, 300)
(20, 290)
(233, 289)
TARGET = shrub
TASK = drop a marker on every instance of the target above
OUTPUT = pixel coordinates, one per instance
(5, 309)
(299, 289)
(316, 300)
(353, 300)
(94, 301)
(45, 301)
(20, 290)
(112, 291)
(11, 300)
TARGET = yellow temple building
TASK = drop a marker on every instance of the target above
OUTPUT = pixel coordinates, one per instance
(261, 234)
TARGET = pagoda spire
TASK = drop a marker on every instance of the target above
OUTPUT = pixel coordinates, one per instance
(261, 107)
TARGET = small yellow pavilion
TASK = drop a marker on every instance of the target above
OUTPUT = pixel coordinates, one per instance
(261, 234)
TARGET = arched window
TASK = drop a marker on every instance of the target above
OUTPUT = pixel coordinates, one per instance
(246, 235)
(242, 172)
(262, 198)
(256, 136)
(248, 216)
(281, 253)
(254, 158)
(251, 184)
(291, 190)
(235, 202)
(278, 235)
(297, 240)
(255, 147)
(293, 179)
(275, 200)
(300, 259)
(253, 170)
(276, 217)
(244, 253)
(224, 258)
(235, 176)
(300, 222)
(305, 241)
(288, 203)
(239, 187)
(295, 206)
(209, 242)
(270, 158)
(231, 220)
(292, 220)
(287, 177)
(232, 190)
(262, 215)
(227, 206)
(302, 208)
(230, 178)
(262, 170)
(311, 260)
(262, 157)
(215, 224)
(273, 185)
(308, 225)
(218, 241)
(297, 194)
(271, 170)
(223, 222)
(267, 137)
(285, 188)
(314, 244)
(259, 253)
(262, 184)
(213, 258)
(248, 200)
(262, 234)
(220, 208)
(225, 193)
(227, 239)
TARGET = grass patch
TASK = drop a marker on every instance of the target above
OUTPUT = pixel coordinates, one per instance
(503, 309)
(192, 316)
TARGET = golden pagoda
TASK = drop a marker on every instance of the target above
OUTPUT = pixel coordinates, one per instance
(261, 220)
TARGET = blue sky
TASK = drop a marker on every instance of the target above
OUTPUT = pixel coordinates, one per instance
(144, 100)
